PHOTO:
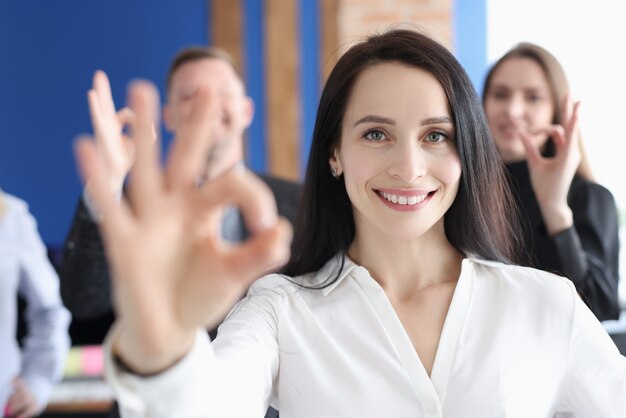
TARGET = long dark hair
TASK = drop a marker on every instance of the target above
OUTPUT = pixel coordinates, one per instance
(479, 221)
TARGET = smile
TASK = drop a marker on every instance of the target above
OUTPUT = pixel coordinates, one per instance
(510, 129)
(405, 200)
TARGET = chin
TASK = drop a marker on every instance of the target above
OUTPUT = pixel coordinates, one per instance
(406, 233)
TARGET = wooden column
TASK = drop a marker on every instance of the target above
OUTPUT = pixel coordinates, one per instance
(226, 29)
(282, 99)
(329, 51)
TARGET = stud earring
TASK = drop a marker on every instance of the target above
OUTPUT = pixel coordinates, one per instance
(333, 171)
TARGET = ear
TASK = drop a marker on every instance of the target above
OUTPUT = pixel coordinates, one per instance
(167, 118)
(248, 110)
(335, 162)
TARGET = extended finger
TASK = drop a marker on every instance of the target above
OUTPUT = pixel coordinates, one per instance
(115, 215)
(104, 119)
(566, 107)
(190, 148)
(94, 108)
(143, 99)
(98, 118)
(102, 86)
(571, 126)
(569, 120)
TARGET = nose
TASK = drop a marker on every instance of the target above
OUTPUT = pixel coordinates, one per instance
(515, 107)
(409, 161)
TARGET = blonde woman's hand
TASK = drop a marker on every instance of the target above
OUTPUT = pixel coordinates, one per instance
(172, 273)
(116, 148)
(551, 177)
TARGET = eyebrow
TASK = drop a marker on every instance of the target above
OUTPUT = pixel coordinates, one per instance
(388, 121)
(496, 86)
(436, 120)
(375, 119)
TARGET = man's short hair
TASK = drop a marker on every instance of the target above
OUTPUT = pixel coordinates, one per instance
(196, 53)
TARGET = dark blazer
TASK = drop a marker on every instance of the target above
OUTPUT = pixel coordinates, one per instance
(587, 253)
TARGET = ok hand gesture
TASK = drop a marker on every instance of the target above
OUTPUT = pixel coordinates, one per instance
(551, 177)
(172, 272)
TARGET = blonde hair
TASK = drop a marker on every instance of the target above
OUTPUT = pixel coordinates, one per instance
(559, 87)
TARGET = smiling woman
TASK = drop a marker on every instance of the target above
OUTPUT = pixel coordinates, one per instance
(403, 300)
(395, 157)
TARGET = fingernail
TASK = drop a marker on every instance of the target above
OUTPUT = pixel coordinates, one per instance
(7, 411)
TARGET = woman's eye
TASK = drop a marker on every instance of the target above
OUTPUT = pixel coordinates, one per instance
(374, 135)
(436, 137)
(499, 95)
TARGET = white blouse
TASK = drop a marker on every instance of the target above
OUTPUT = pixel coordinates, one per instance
(516, 342)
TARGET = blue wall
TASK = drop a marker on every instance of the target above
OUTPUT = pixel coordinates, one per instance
(253, 27)
(470, 38)
(310, 74)
(50, 49)
(48, 53)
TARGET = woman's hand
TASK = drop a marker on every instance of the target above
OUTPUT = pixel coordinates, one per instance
(551, 177)
(172, 272)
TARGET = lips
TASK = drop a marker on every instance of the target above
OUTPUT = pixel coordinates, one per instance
(510, 130)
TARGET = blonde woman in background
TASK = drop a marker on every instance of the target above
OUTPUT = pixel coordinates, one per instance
(28, 375)
(570, 224)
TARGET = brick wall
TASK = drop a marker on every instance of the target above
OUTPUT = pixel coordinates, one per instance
(358, 17)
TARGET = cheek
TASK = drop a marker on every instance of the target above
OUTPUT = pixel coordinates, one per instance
(449, 172)
(492, 109)
(541, 116)
(355, 172)
(182, 113)
(489, 108)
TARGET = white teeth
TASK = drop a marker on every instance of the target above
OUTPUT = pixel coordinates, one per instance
(404, 200)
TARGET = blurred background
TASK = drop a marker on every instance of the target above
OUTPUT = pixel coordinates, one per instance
(284, 48)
